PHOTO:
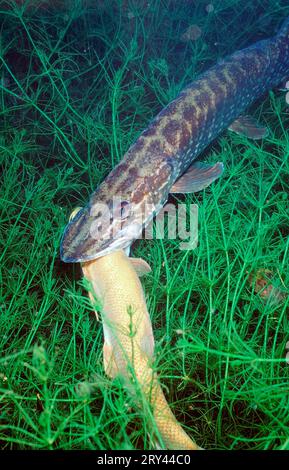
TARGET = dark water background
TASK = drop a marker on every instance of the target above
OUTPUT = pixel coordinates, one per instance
(156, 26)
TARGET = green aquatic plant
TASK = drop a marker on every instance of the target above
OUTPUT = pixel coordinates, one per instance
(78, 85)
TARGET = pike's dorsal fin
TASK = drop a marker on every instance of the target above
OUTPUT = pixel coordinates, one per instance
(248, 126)
(198, 176)
(141, 266)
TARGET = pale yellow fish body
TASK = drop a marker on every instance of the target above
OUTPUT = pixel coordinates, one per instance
(128, 339)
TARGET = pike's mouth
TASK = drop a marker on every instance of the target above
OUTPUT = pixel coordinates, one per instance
(124, 239)
(118, 244)
(80, 245)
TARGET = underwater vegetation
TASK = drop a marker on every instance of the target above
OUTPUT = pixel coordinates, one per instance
(80, 80)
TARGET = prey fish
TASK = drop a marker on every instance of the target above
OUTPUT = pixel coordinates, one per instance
(128, 339)
(161, 161)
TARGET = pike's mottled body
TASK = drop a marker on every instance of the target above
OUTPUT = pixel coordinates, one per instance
(177, 135)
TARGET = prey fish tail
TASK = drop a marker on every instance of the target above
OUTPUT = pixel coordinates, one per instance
(161, 159)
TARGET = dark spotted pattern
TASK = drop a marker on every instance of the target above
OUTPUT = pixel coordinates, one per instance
(171, 131)
(178, 135)
(155, 148)
(149, 132)
(139, 144)
(189, 113)
(119, 170)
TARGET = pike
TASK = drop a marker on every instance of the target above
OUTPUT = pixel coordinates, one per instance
(160, 161)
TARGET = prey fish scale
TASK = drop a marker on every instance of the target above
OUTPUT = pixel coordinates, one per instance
(173, 140)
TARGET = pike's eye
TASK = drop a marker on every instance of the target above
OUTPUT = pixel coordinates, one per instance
(121, 211)
(124, 210)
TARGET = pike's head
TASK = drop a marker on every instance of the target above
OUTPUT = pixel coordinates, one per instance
(116, 213)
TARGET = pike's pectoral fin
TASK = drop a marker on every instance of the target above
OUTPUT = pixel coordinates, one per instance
(197, 177)
(248, 126)
(141, 266)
